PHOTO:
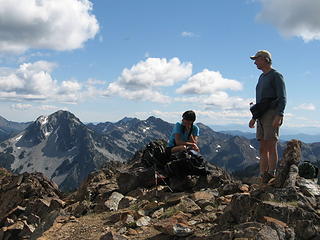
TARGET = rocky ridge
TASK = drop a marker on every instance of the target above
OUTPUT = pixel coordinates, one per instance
(123, 201)
(27, 203)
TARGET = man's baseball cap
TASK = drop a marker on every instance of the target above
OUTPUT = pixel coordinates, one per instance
(262, 53)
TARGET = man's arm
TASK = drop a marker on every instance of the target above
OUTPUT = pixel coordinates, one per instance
(252, 123)
(282, 100)
(281, 93)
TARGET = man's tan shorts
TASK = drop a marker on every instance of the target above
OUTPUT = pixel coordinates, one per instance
(265, 130)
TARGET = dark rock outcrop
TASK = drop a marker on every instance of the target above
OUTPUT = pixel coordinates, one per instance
(284, 204)
(27, 203)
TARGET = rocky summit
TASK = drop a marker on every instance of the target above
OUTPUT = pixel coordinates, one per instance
(131, 201)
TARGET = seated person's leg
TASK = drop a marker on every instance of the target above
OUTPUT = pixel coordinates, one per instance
(178, 148)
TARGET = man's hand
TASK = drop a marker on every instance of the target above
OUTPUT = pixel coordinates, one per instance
(252, 123)
(277, 121)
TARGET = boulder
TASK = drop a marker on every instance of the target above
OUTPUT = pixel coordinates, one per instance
(286, 175)
(113, 202)
(175, 226)
(138, 177)
(112, 236)
(26, 201)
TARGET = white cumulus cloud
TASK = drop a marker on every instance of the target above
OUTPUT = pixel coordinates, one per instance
(305, 106)
(208, 82)
(29, 79)
(218, 100)
(92, 81)
(224, 101)
(299, 18)
(144, 79)
(48, 108)
(208, 88)
(21, 106)
(204, 116)
(34, 81)
(45, 24)
(69, 86)
(188, 34)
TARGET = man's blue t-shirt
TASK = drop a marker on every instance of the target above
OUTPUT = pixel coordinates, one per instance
(178, 128)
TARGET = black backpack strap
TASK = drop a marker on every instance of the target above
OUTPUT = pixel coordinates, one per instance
(190, 131)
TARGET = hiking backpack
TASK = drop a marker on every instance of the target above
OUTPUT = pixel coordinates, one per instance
(154, 155)
(308, 170)
(186, 163)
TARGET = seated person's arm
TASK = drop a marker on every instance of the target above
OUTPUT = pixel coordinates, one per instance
(194, 139)
(192, 143)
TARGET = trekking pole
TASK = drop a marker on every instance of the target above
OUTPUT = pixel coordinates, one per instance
(167, 185)
(156, 180)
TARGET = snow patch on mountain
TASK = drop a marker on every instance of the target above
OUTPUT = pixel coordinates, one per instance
(47, 134)
(18, 138)
(145, 129)
(43, 120)
(39, 159)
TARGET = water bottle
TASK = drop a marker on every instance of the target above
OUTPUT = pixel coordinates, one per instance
(251, 104)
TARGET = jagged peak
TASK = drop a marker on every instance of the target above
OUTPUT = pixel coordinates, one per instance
(153, 118)
(59, 115)
(126, 120)
(62, 113)
(42, 119)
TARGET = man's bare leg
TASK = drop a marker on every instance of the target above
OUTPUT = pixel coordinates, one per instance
(264, 156)
(273, 156)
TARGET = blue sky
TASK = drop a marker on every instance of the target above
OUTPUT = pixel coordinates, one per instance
(104, 60)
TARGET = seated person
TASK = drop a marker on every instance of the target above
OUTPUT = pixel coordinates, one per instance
(184, 135)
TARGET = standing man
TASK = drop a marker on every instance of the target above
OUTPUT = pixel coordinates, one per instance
(270, 85)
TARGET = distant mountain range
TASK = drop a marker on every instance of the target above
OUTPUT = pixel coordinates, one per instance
(307, 138)
(9, 129)
(285, 130)
(66, 150)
